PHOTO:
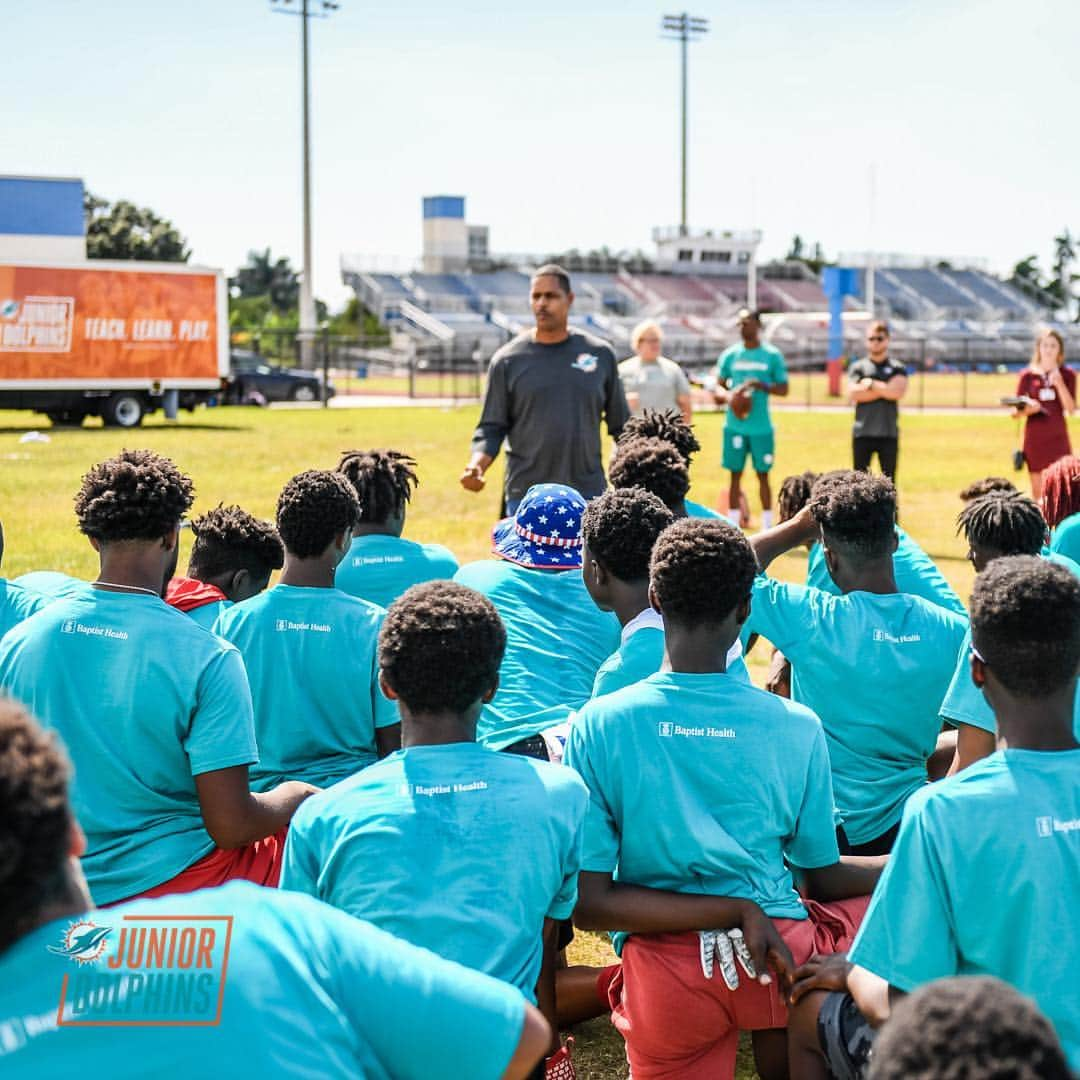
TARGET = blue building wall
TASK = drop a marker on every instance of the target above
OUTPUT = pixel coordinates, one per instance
(41, 207)
(444, 206)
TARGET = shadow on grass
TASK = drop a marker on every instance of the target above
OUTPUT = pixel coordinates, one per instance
(65, 430)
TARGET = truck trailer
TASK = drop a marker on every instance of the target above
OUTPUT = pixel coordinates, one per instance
(111, 339)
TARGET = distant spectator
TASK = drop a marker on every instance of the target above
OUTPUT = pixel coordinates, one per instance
(547, 391)
(380, 564)
(652, 381)
(231, 560)
(748, 373)
(1049, 390)
(875, 386)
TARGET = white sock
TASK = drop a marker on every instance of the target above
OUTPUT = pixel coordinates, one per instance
(766, 519)
(735, 516)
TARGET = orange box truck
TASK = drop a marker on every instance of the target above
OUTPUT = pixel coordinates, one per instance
(111, 339)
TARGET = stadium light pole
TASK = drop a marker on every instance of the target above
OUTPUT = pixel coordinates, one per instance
(307, 328)
(684, 28)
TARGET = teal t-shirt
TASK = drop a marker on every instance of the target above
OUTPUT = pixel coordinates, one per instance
(312, 660)
(737, 365)
(688, 793)
(641, 654)
(1065, 538)
(456, 848)
(914, 570)
(17, 604)
(206, 615)
(983, 880)
(556, 640)
(696, 510)
(875, 669)
(380, 568)
(144, 701)
(965, 703)
(308, 992)
(52, 583)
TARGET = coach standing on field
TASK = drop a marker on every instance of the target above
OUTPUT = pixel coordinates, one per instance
(547, 391)
(875, 386)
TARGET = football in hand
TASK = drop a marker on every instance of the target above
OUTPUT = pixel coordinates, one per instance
(740, 401)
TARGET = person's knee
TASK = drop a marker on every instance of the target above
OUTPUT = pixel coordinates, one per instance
(803, 1018)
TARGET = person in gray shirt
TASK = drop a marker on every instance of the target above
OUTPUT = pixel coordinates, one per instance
(547, 392)
(875, 386)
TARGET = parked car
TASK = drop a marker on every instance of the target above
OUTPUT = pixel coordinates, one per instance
(253, 380)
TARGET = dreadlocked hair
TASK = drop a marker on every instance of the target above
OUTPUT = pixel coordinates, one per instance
(384, 481)
(794, 494)
(985, 486)
(137, 495)
(666, 424)
(35, 821)
(1004, 521)
(1061, 490)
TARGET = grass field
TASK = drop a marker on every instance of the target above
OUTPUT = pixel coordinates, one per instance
(246, 455)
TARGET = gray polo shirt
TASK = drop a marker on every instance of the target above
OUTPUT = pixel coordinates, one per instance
(658, 385)
(547, 402)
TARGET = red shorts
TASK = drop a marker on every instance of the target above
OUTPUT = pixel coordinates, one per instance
(259, 862)
(678, 1024)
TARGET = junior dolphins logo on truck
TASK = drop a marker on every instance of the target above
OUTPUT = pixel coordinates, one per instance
(38, 324)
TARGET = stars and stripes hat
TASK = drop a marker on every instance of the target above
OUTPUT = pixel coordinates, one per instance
(545, 533)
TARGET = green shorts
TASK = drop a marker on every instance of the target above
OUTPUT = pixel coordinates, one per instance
(736, 447)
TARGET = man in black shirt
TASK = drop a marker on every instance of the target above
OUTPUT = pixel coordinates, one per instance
(875, 386)
(547, 391)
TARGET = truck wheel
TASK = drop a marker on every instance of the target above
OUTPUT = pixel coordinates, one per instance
(124, 410)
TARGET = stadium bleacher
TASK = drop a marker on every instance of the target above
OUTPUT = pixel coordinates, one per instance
(466, 312)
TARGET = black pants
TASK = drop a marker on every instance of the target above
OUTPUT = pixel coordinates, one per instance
(880, 845)
(864, 447)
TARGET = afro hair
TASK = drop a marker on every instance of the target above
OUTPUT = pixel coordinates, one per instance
(620, 529)
(441, 646)
(228, 538)
(856, 512)
(665, 424)
(137, 495)
(1025, 621)
(313, 508)
(701, 570)
(654, 465)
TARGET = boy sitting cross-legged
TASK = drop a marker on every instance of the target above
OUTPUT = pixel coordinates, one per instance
(703, 790)
(470, 853)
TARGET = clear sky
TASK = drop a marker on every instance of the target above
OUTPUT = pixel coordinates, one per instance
(559, 122)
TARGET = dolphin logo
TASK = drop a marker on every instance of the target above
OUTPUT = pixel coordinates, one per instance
(82, 945)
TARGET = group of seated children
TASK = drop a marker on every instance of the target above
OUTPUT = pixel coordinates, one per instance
(337, 734)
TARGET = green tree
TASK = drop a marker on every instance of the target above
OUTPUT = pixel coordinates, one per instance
(122, 230)
(796, 253)
(1061, 285)
(1027, 277)
(263, 275)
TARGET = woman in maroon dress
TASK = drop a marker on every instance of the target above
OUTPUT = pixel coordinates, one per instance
(1050, 389)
